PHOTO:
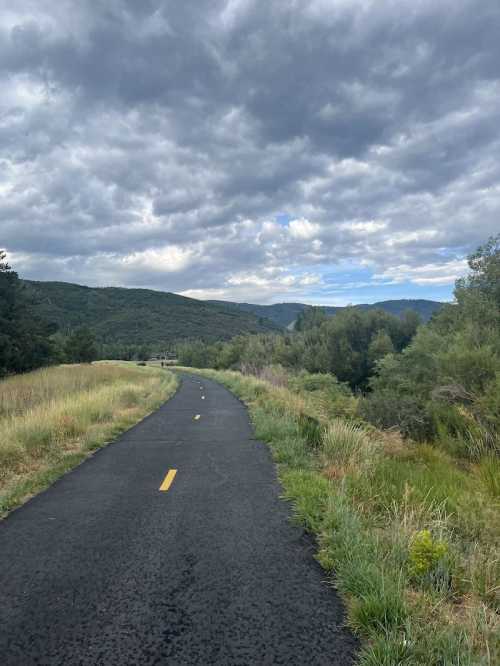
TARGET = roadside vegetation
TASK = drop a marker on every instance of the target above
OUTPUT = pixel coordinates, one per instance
(409, 534)
(399, 479)
(348, 345)
(52, 418)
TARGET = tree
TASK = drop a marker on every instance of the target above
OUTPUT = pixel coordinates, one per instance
(81, 346)
(310, 317)
(380, 346)
(485, 271)
(410, 321)
(8, 279)
(25, 341)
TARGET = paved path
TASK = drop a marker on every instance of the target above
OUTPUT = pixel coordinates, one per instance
(104, 568)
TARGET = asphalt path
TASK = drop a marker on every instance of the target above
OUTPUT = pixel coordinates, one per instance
(106, 568)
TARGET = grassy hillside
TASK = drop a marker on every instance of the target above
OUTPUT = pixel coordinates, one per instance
(140, 316)
(284, 314)
(51, 419)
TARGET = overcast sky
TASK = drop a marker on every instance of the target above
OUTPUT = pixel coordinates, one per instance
(324, 151)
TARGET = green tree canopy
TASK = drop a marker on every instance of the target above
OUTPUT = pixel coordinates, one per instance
(25, 341)
(81, 346)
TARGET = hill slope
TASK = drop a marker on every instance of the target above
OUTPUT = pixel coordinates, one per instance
(140, 316)
(284, 314)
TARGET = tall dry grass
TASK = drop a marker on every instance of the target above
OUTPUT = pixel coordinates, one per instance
(21, 393)
(51, 418)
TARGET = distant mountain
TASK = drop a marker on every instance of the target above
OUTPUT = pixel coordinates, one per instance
(282, 314)
(421, 306)
(141, 316)
(285, 314)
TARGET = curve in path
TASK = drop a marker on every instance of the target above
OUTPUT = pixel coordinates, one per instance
(105, 568)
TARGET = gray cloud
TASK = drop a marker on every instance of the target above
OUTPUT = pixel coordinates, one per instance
(157, 143)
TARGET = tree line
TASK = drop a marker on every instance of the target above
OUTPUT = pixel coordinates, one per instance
(347, 345)
(435, 380)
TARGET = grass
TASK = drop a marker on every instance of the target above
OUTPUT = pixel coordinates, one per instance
(408, 534)
(53, 418)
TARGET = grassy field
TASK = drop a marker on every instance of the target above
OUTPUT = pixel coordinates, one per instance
(51, 419)
(408, 534)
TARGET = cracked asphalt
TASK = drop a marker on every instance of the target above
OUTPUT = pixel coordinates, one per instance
(104, 568)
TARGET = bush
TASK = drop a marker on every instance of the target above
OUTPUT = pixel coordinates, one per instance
(388, 409)
(311, 382)
(426, 555)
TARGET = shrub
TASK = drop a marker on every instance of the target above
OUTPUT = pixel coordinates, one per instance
(426, 554)
(311, 382)
(388, 409)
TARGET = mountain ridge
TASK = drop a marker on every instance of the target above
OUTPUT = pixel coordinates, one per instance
(284, 314)
(119, 315)
(129, 316)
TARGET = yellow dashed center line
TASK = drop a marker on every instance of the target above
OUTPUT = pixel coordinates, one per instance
(167, 481)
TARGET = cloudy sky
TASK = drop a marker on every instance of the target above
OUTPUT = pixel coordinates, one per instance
(326, 151)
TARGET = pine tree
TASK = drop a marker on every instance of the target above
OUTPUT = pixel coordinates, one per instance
(25, 341)
(81, 346)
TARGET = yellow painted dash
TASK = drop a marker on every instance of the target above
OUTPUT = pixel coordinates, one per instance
(167, 481)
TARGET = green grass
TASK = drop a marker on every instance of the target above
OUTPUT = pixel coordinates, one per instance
(407, 533)
(52, 419)
(489, 473)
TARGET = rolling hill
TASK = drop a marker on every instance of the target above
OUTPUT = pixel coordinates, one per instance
(140, 316)
(284, 314)
(155, 318)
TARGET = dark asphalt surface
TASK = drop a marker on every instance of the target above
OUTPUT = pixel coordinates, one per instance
(102, 568)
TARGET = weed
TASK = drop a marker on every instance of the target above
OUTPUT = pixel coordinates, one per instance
(426, 553)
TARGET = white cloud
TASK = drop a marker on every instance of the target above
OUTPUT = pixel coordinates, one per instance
(429, 274)
(303, 229)
(170, 259)
(365, 227)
